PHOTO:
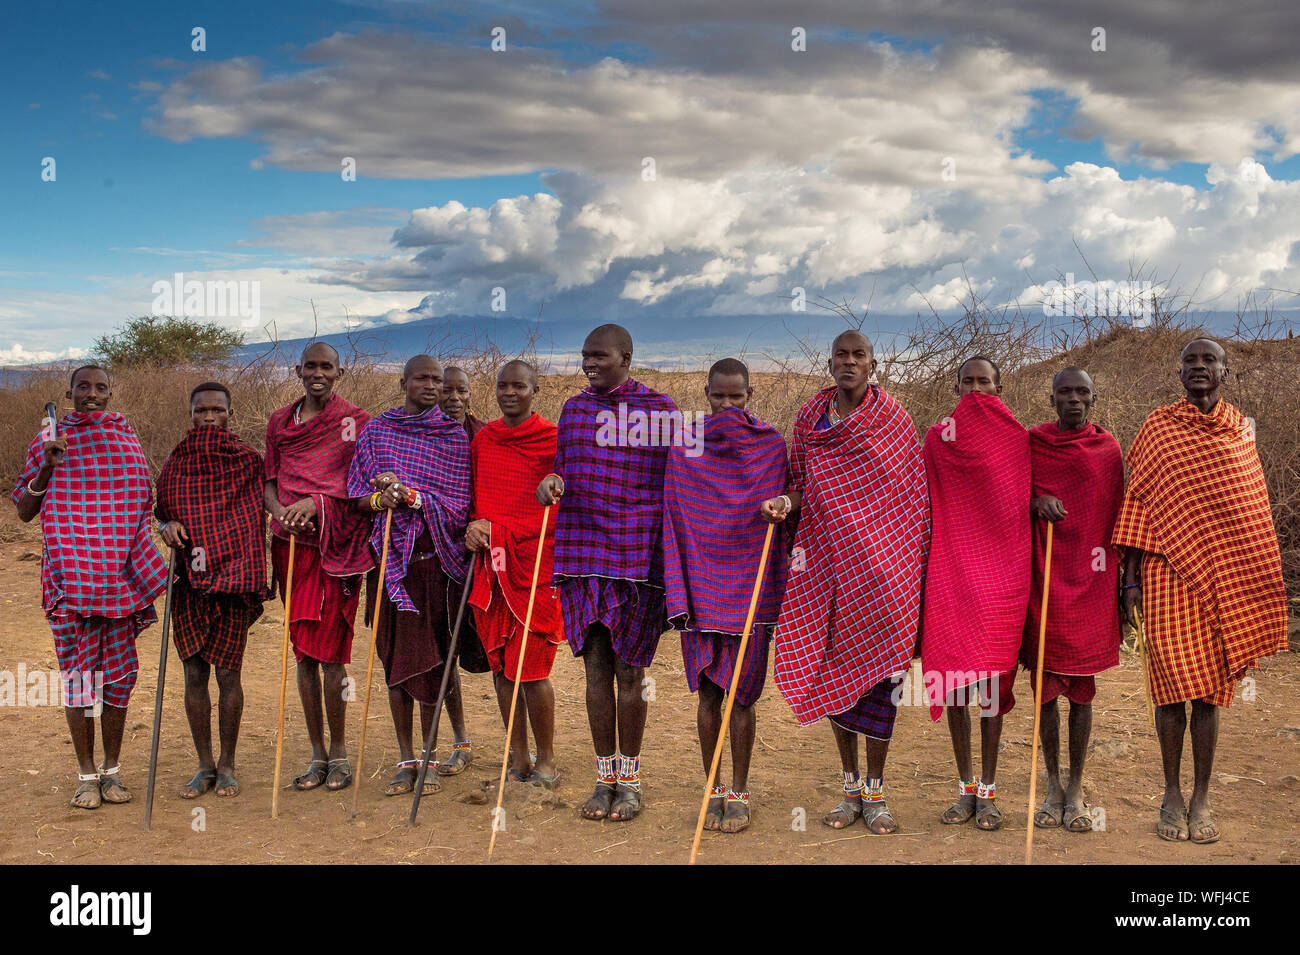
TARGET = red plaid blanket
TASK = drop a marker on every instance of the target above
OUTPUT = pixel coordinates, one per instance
(99, 558)
(977, 578)
(1198, 490)
(851, 603)
(508, 464)
(212, 484)
(312, 460)
(1085, 469)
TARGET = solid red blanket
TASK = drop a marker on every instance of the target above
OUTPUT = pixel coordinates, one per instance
(1085, 469)
(311, 460)
(849, 616)
(212, 484)
(977, 578)
(508, 464)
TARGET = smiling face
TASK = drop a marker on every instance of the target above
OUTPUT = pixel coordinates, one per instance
(90, 390)
(455, 393)
(852, 361)
(516, 388)
(604, 363)
(727, 391)
(422, 382)
(1072, 397)
(319, 369)
(209, 408)
(1204, 367)
(979, 376)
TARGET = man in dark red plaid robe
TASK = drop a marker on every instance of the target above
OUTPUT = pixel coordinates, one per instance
(849, 620)
(713, 543)
(509, 457)
(309, 446)
(613, 442)
(211, 510)
(1077, 474)
(414, 461)
(100, 572)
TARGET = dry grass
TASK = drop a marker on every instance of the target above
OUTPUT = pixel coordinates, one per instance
(1135, 370)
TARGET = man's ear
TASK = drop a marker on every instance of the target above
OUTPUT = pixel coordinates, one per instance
(68, 393)
(341, 371)
(999, 386)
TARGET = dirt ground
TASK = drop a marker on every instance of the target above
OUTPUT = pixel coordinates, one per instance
(795, 773)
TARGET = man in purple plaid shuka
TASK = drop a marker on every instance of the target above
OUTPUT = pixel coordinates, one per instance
(613, 439)
(713, 544)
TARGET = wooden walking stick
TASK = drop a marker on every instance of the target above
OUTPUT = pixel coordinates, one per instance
(284, 678)
(1038, 697)
(370, 665)
(519, 672)
(1146, 667)
(158, 694)
(731, 692)
(453, 654)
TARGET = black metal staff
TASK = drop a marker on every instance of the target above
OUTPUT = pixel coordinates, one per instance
(453, 651)
(158, 696)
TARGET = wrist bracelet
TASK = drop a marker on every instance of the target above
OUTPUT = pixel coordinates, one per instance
(35, 493)
(789, 504)
(374, 501)
(1131, 586)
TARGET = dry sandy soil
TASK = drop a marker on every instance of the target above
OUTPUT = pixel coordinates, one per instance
(1255, 785)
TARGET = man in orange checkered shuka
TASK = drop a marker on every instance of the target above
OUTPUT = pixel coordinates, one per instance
(1203, 567)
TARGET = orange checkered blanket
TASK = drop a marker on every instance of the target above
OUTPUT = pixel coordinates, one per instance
(1197, 496)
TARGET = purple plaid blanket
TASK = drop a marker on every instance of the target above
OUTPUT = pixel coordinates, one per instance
(430, 453)
(713, 535)
(611, 454)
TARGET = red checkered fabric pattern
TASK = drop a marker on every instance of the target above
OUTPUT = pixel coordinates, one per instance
(1216, 603)
(977, 579)
(100, 559)
(849, 617)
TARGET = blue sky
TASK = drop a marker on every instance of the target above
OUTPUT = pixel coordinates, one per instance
(524, 170)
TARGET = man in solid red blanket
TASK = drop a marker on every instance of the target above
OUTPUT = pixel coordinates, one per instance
(713, 541)
(611, 450)
(1077, 470)
(455, 403)
(509, 457)
(309, 447)
(210, 506)
(1203, 566)
(848, 624)
(100, 571)
(977, 577)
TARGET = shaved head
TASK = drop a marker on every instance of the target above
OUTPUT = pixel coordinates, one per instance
(1218, 349)
(528, 370)
(420, 361)
(1071, 372)
(317, 347)
(852, 337)
(454, 371)
(616, 335)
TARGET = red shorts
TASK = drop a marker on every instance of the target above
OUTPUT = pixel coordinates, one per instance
(499, 630)
(1076, 689)
(324, 607)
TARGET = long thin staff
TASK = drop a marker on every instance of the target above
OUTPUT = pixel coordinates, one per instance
(284, 678)
(370, 666)
(1038, 697)
(731, 692)
(519, 673)
(453, 654)
(1146, 667)
(158, 695)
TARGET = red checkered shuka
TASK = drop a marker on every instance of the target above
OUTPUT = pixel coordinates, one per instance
(849, 617)
(977, 578)
(311, 460)
(212, 485)
(1085, 470)
(95, 516)
(1197, 495)
(507, 465)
